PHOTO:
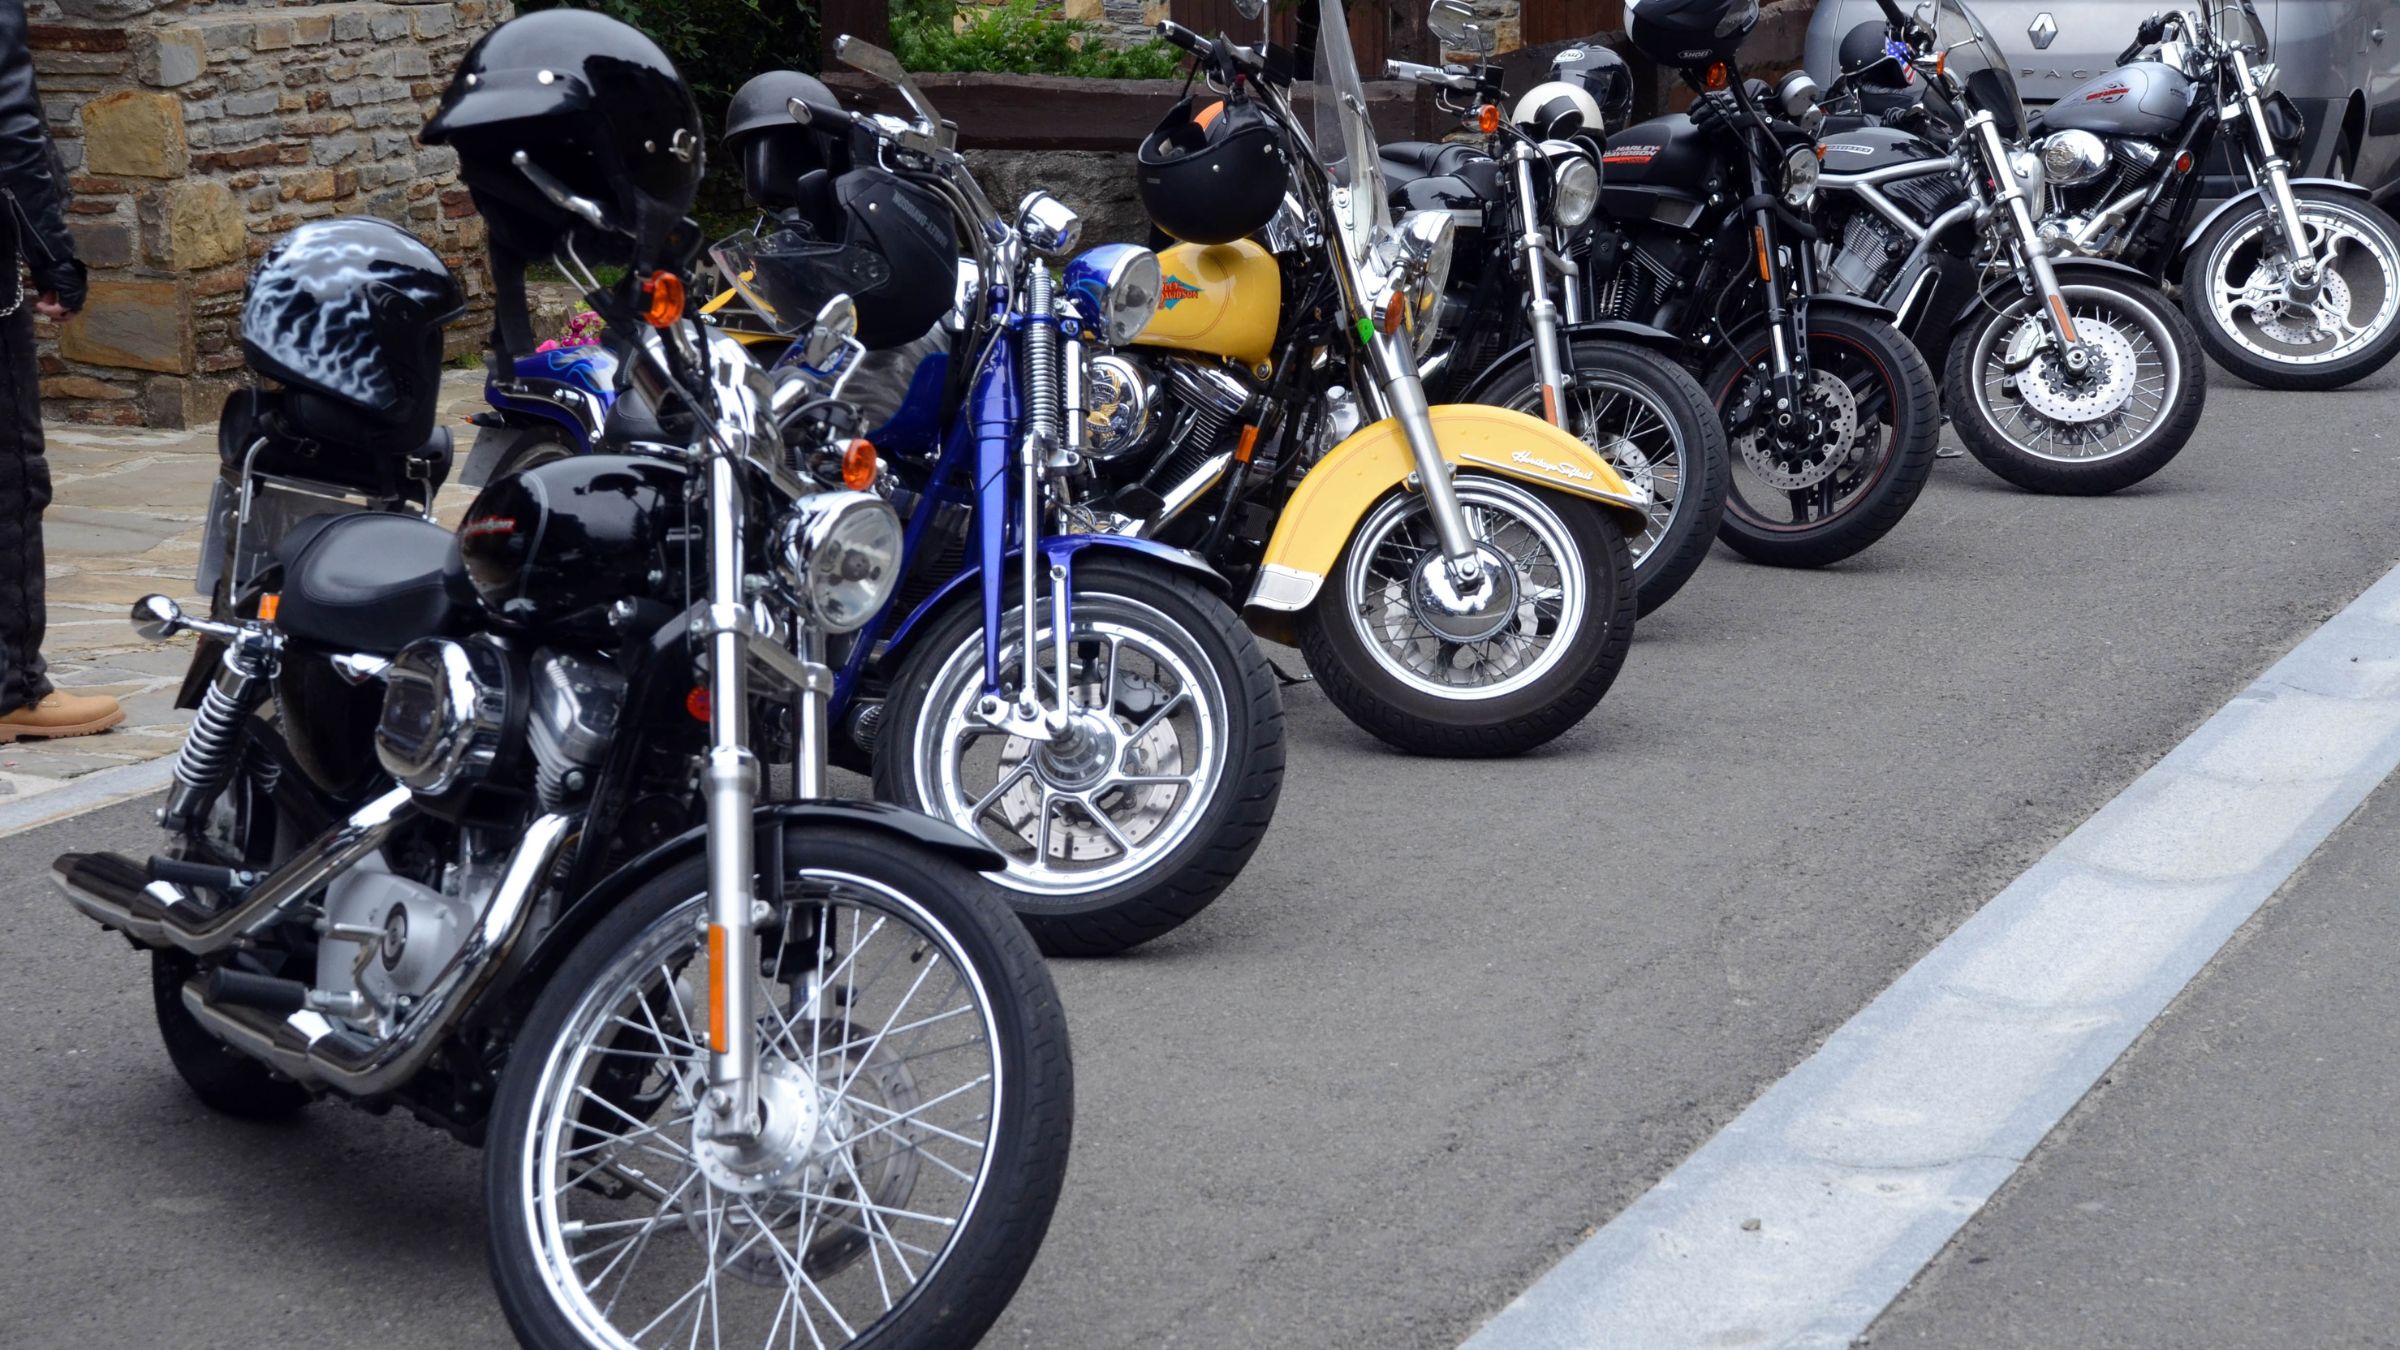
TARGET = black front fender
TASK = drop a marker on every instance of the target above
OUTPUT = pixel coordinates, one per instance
(795, 818)
(1865, 309)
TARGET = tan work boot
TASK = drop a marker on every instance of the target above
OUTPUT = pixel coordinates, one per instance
(61, 714)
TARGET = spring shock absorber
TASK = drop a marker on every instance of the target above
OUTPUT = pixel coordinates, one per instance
(1041, 433)
(214, 745)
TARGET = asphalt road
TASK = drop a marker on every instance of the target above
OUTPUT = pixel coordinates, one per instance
(1454, 1013)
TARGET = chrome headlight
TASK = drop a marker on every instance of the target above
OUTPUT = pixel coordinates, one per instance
(445, 711)
(1427, 239)
(839, 553)
(2263, 76)
(1114, 289)
(1800, 171)
(1577, 186)
(2071, 157)
(1047, 223)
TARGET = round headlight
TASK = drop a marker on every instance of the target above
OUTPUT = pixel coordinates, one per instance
(1427, 237)
(1800, 170)
(1578, 189)
(840, 554)
(1114, 289)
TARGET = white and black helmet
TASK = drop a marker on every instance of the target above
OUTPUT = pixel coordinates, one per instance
(1554, 110)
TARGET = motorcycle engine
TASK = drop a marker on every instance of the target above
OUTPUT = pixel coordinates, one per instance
(573, 720)
(1868, 246)
(1183, 409)
(388, 937)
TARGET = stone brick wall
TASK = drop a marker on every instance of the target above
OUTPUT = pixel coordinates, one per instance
(196, 131)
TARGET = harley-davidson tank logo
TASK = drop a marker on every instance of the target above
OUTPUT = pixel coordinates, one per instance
(489, 525)
(1175, 291)
(2109, 95)
(1630, 154)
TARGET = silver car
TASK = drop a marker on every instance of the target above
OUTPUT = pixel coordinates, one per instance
(2340, 61)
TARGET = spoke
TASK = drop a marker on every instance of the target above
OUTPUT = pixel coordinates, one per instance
(863, 1060)
(1166, 709)
(1099, 817)
(1007, 781)
(893, 1119)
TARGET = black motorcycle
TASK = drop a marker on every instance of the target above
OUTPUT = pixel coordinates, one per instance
(1831, 414)
(2062, 374)
(1520, 201)
(2124, 155)
(472, 824)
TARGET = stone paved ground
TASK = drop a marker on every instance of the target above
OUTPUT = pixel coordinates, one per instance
(125, 519)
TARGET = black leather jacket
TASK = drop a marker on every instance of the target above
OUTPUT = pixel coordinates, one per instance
(28, 174)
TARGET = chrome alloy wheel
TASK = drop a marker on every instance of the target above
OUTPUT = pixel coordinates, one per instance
(879, 1079)
(2250, 296)
(2025, 392)
(1639, 440)
(1534, 595)
(1120, 789)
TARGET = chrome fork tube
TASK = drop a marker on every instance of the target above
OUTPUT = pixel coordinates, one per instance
(2029, 242)
(812, 729)
(1546, 362)
(729, 784)
(1406, 391)
(1041, 433)
(2277, 173)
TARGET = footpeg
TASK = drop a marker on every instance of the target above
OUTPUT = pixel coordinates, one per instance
(229, 882)
(241, 989)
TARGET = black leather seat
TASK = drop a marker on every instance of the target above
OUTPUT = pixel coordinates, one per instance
(370, 581)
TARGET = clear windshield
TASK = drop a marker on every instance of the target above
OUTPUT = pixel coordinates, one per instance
(2237, 24)
(1344, 135)
(1976, 62)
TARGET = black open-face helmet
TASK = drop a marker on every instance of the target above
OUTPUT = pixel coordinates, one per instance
(775, 153)
(1866, 57)
(887, 243)
(1603, 74)
(569, 101)
(1680, 34)
(1213, 171)
(347, 315)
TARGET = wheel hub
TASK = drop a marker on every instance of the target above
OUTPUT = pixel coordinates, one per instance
(1473, 611)
(2099, 390)
(792, 1139)
(2295, 322)
(1082, 753)
(1815, 442)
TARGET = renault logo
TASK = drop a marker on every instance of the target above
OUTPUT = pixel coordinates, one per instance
(2043, 31)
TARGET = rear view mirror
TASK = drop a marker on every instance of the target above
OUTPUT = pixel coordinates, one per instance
(1459, 28)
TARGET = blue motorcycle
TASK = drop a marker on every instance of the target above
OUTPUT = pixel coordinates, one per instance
(1088, 703)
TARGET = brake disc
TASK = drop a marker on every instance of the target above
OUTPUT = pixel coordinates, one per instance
(1835, 404)
(2102, 392)
(2324, 319)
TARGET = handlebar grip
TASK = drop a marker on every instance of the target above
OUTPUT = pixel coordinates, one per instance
(1183, 37)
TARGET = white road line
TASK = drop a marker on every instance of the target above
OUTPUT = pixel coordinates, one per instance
(1800, 1221)
(92, 791)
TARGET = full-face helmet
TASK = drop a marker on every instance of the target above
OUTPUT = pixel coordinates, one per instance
(1603, 74)
(1679, 34)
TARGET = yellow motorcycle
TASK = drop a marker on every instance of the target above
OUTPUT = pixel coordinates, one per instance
(1458, 577)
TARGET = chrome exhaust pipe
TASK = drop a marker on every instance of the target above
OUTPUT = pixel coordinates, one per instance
(310, 1048)
(116, 892)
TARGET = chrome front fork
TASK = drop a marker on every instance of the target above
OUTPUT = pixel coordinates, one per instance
(729, 786)
(1534, 242)
(2276, 171)
(2029, 242)
(1404, 391)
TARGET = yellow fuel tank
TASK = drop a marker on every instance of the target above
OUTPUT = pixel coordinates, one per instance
(1220, 299)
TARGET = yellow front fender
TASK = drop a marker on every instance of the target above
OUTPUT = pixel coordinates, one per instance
(1337, 492)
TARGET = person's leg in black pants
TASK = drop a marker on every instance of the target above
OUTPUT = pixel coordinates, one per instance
(24, 491)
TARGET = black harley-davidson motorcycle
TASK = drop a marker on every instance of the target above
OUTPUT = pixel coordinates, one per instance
(2124, 156)
(2061, 374)
(472, 823)
(1831, 414)
(1512, 331)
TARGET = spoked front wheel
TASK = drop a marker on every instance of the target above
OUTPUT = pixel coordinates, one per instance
(1424, 665)
(1131, 820)
(2237, 287)
(2048, 428)
(916, 1100)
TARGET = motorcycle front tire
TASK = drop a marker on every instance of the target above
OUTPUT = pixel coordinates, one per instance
(2207, 261)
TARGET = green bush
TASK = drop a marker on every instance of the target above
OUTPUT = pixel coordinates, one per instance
(1019, 37)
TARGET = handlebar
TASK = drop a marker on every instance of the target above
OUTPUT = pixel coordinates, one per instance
(1440, 77)
(1216, 52)
(2152, 29)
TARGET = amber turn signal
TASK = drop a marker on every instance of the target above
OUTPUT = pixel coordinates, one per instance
(1719, 76)
(1487, 118)
(858, 465)
(665, 290)
(268, 604)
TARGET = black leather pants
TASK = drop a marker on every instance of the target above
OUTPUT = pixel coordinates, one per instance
(24, 491)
